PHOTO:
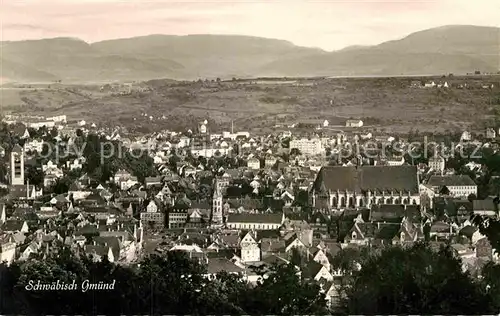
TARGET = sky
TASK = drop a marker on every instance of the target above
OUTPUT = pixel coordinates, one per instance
(327, 24)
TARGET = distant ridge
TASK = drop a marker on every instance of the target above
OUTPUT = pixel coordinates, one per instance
(441, 50)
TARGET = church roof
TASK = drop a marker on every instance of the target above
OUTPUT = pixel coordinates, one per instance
(17, 149)
(364, 178)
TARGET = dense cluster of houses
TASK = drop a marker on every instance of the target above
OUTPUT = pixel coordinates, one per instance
(260, 210)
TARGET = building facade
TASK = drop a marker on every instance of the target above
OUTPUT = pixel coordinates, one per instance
(255, 221)
(307, 146)
(250, 249)
(453, 185)
(437, 164)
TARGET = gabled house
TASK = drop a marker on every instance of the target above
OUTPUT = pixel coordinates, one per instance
(250, 248)
(322, 257)
(287, 197)
(14, 226)
(316, 271)
(294, 242)
(7, 249)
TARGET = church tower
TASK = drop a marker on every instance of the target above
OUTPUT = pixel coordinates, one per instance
(17, 166)
(217, 206)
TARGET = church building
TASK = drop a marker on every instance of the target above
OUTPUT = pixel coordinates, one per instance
(338, 187)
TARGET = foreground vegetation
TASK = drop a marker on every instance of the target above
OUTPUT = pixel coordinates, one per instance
(396, 281)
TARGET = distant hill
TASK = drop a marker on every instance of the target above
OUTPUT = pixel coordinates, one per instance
(208, 55)
(448, 49)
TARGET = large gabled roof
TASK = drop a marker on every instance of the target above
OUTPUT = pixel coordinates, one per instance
(367, 178)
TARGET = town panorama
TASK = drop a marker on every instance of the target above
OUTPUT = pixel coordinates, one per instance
(163, 175)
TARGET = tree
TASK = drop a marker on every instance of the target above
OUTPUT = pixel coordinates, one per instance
(295, 152)
(34, 175)
(282, 292)
(416, 280)
(471, 197)
(302, 199)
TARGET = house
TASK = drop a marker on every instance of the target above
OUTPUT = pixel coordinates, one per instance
(197, 218)
(332, 291)
(294, 242)
(121, 175)
(437, 164)
(453, 185)
(316, 271)
(270, 161)
(250, 248)
(416, 84)
(152, 206)
(466, 136)
(485, 207)
(472, 233)
(255, 221)
(7, 249)
(491, 133)
(322, 257)
(97, 252)
(21, 131)
(177, 218)
(307, 146)
(218, 265)
(463, 251)
(253, 163)
(354, 123)
(440, 229)
(485, 250)
(287, 197)
(153, 217)
(74, 164)
(152, 181)
(29, 249)
(14, 226)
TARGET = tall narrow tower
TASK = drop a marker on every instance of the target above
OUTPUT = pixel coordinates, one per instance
(217, 216)
(17, 166)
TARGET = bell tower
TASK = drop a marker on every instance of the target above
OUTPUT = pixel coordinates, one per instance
(217, 215)
(17, 166)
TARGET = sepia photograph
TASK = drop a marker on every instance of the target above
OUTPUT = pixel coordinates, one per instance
(249, 157)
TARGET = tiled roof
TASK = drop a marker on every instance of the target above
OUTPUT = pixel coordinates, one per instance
(375, 178)
(452, 180)
(255, 218)
(12, 225)
(17, 148)
(216, 265)
(387, 212)
(484, 205)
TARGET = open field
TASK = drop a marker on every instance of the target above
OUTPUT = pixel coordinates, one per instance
(384, 103)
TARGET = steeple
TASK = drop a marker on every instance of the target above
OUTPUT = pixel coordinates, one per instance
(217, 216)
